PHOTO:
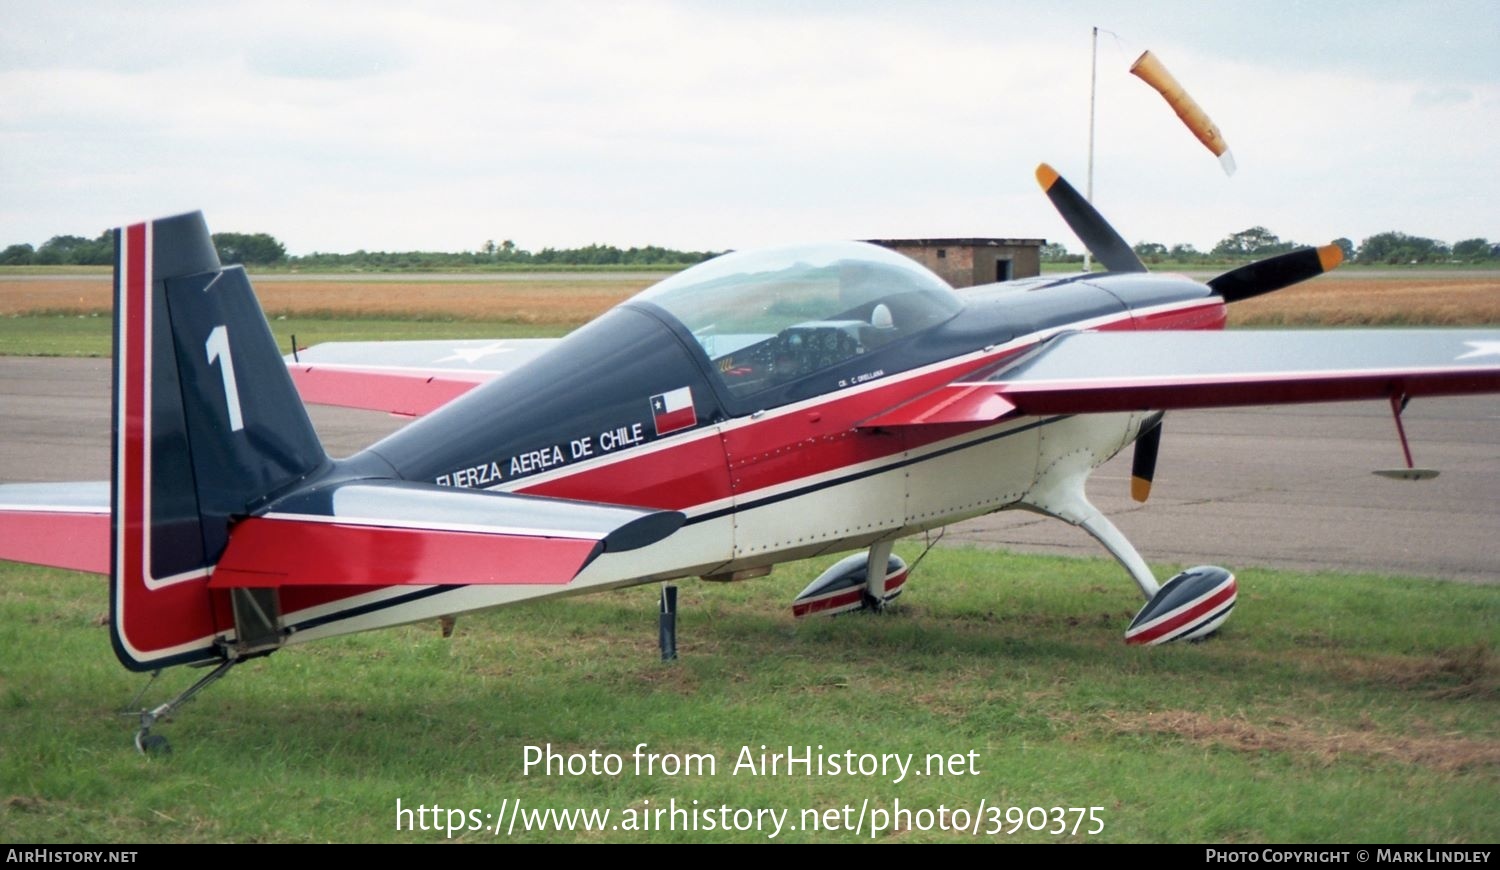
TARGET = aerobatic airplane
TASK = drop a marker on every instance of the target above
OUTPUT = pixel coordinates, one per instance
(758, 408)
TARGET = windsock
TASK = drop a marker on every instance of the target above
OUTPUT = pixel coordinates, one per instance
(1150, 70)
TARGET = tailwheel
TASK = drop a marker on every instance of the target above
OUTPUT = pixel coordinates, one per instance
(1190, 606)
(147, 743)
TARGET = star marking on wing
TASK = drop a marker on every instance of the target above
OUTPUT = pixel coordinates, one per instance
(1481, 348)
(472, 355)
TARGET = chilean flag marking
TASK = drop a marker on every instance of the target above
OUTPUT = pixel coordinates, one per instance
(674, 410)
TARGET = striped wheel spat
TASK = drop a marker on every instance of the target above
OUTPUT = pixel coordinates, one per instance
(842, 588)
(1190, 605)
(844, 599)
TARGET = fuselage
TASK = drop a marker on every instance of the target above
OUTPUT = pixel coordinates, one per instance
(755, 435)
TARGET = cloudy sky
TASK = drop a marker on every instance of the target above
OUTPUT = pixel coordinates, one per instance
(711, 125)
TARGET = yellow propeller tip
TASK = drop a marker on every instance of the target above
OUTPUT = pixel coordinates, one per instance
(1330, 256)
(1046, 176)
(1140, 488)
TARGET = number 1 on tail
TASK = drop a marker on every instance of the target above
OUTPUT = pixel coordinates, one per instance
(218, 349)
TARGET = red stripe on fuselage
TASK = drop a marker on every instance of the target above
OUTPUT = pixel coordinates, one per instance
(807, 439)
(780, 448)
(1209, 316)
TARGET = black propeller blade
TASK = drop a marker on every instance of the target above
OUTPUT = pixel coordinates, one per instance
(1090, 226)
(1274, 273)
(1143, 463)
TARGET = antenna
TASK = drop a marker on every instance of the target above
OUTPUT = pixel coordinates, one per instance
(1088, 192)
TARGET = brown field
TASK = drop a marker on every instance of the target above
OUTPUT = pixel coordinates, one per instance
(1352, 298)
(1347, 298)
(541, 301)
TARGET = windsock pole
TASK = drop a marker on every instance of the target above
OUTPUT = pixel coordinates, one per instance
(1088, 193)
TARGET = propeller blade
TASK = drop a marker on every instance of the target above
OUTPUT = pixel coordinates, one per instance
(1090, 226)
(1274, 273)
(1143, 463)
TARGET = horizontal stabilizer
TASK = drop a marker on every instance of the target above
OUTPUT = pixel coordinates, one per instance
(385, 533)
(62, 525)
(296, 551)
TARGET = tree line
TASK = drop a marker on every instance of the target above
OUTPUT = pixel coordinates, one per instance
(246, 248)
(262, 249)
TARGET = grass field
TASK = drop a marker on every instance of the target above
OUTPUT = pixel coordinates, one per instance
(1330, 709)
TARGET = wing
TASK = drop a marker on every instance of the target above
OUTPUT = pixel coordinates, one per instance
(410, 378)
(63, 525)
(1089, 372)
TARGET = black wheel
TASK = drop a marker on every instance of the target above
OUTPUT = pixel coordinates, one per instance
(152, 744)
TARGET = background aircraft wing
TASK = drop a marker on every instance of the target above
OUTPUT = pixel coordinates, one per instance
(1089, 372)
(410, 378)
(64, 525)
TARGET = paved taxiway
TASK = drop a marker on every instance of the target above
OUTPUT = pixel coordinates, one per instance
(1288, 487)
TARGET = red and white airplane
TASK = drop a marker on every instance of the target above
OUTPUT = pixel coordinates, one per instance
(761, 407)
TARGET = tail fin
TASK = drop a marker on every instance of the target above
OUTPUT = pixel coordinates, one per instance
(207, 424)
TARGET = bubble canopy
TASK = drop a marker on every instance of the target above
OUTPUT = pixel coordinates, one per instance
(766, 317)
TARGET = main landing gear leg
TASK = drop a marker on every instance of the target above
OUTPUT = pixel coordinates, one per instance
(875, 571)
(1119, 546)
(1190, 606)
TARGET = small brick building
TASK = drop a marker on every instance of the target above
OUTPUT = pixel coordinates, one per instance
(967, 262)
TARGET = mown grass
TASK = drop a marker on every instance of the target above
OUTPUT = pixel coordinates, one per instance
(1331, 709)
